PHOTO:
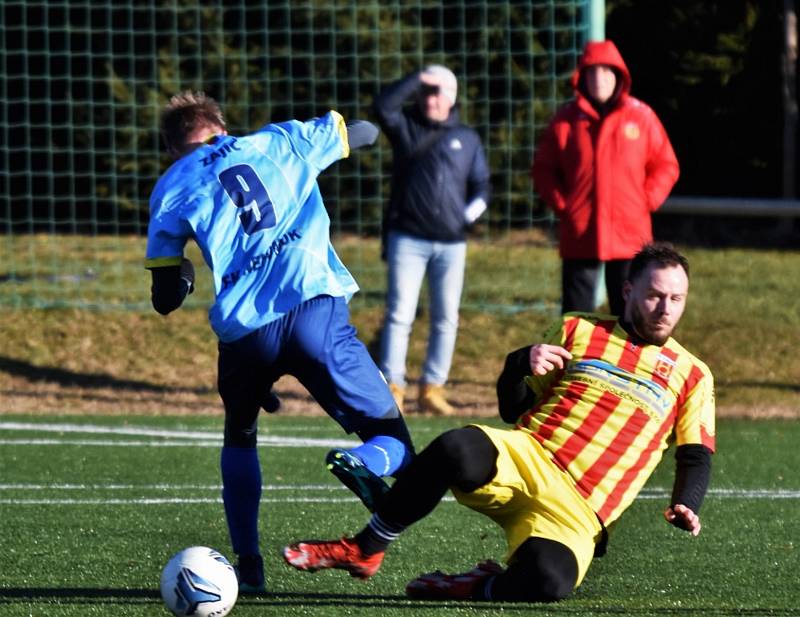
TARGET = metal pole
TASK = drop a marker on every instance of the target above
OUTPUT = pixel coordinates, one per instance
(597, 20)
(597, 32)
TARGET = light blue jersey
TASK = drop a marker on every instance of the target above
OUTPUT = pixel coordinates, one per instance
(254, 208)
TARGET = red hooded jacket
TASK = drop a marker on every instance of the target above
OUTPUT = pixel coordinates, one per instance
(604, 175)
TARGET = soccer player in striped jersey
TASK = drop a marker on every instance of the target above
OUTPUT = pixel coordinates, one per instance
(254, 207)
(594, 407)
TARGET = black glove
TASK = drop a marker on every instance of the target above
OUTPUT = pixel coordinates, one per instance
(187, 274)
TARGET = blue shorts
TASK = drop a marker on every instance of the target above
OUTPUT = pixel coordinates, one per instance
(315, 343)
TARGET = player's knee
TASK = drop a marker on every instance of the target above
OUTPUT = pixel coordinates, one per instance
(239, 439)
(532, 585)
(549, 568)
(451, 447)
(554, 585)
(523, 583)
(237, 436)
(468, 456)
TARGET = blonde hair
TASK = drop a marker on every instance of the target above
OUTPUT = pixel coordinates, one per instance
(185, 113)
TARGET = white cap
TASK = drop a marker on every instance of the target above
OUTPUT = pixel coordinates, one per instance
(448, 85)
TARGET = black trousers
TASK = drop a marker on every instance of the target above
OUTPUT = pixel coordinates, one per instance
(540, 570)
(579, 279)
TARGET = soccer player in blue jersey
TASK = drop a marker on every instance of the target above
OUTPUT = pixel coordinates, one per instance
(253, 206)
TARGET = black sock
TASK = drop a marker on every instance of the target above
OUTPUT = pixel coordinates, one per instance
(377, 535)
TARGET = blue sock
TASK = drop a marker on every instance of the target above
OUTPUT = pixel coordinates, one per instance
(241, 493)
(382, 455)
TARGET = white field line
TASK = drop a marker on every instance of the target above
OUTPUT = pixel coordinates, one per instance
(298, 497)
(728, 493)
(104, 430)
(173, 438)
(159, 501)
(163, 487)
(185, 438)
(295, 488)
(647, 493)
(147, 444)
(325, 425)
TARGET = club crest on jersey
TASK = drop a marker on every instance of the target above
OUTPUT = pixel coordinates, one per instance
(455, 144)
(664, 366)
(631, 130)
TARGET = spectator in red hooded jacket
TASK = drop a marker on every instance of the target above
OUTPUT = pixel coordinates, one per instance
(604, 164)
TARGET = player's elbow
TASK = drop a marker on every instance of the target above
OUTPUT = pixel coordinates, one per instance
(510, 413)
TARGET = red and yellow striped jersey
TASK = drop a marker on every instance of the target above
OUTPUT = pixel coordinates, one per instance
(608, 416)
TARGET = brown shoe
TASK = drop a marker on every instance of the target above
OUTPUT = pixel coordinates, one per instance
(398, 392)
(432, 400)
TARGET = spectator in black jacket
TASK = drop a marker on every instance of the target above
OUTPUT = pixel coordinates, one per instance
(440, 186)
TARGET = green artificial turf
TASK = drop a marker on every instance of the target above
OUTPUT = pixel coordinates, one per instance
(90, 515)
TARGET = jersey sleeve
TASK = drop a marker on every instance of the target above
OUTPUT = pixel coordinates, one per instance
(166, 237)
(319, 141)
(696, 422)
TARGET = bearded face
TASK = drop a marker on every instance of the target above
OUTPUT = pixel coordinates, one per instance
(655, 301)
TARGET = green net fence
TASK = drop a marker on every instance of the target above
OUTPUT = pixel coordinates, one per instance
(82, 84)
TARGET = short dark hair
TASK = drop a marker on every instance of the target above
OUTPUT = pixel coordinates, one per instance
(662, 254)
(186, 112)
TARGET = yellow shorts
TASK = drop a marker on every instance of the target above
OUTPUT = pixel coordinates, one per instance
(530, 496)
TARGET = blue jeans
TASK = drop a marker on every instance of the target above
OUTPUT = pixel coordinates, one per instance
(409, 259)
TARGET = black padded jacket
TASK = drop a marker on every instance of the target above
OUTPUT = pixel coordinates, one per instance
(438, 167)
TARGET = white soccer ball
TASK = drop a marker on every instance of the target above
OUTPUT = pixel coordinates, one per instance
(198, 581)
